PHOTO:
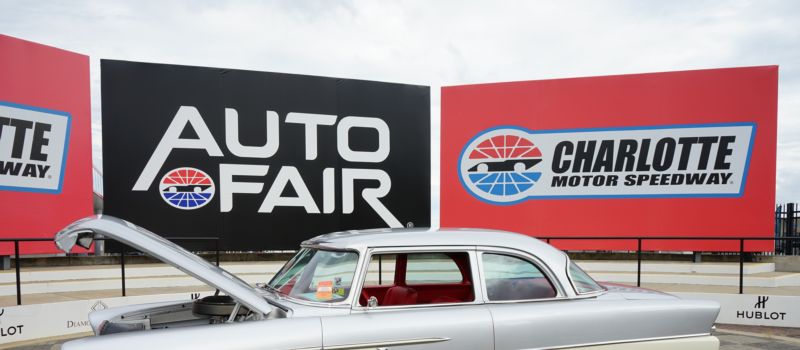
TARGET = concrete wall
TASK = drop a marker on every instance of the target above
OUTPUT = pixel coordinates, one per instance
(787, 263)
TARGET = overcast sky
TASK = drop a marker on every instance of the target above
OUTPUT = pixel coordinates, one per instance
(435, 43)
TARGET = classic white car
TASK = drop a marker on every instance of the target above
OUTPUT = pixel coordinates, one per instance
(396, 289)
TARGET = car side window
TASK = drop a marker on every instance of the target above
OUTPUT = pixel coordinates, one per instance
(511, 278)
(431, 269)
(418, 278)
(380, 271)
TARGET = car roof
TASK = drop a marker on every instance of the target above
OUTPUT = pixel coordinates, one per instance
(361, 240)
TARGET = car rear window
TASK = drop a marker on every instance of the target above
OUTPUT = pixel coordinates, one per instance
(581, 281)
(512, 278)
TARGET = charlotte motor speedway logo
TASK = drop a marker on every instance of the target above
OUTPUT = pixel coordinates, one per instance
(499, 165)
(509, 164)
(186, 188)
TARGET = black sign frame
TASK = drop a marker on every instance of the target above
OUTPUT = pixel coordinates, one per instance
(141, 101)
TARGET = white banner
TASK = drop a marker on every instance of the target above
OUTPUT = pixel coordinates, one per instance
(28, 322)
(754, 310)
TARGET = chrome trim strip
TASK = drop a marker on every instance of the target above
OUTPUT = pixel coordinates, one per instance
(328, 248)
(386, 343)
(630, 341)
(409, 307)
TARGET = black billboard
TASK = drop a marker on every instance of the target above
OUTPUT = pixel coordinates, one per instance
(262, 160)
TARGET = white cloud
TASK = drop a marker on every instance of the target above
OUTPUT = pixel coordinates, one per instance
(435, 42)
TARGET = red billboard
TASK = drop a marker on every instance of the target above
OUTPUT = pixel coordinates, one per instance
(45, 142)
(684, 154)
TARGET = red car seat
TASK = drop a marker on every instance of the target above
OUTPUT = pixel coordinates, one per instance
(400, 295)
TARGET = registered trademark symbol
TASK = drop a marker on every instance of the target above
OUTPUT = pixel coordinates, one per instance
(49, 176)
(410, 225)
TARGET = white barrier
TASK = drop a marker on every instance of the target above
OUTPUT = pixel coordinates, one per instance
(754, 310)
(28, 322)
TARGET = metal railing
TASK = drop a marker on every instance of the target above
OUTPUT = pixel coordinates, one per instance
(640, 239)
(548, 239)
(787, 224)
(122, 253)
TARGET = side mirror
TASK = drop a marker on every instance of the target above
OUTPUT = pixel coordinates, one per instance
(372, 302)
(65, 240)
(85, 239)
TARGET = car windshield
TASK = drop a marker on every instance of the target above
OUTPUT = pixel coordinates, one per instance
(317, 275)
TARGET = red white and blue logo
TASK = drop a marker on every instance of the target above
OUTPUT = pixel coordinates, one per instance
(186, 188)
(499, 165)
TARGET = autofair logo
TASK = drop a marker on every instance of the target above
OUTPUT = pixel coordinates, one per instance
(189, 188)
(508, 165)
(33, 148)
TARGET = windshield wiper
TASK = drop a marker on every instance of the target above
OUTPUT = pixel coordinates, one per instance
(267, 287)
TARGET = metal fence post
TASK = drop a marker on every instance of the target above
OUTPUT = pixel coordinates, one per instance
(16, 268)
(741, 266)
(217, 251)
(778, 231)
(790, 219)
(638, 262)
(791, 228)
(122, 267)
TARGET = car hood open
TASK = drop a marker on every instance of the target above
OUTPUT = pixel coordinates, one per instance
(83, 232)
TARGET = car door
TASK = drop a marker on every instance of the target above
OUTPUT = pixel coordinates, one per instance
(524, 299)
(418, 318)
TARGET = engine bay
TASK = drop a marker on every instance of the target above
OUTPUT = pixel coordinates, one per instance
(214, 309)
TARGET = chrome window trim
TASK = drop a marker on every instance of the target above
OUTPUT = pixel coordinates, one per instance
(470, 250)
(546, 271)
(342, 304)
(575, 289)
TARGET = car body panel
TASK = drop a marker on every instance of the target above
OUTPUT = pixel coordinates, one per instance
(287, 333)
(560, 323)
(446, 327)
